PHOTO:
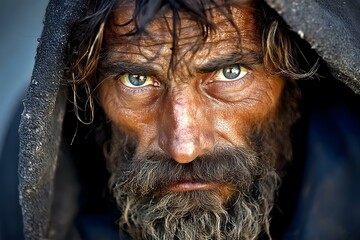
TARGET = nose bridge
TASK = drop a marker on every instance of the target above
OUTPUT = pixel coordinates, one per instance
(182, 135)
(183, 109)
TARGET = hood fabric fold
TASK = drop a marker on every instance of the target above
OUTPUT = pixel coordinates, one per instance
(42, 118)
(331, 27)
(333, 31)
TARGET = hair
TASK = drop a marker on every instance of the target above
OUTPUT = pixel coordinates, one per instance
(282, 54)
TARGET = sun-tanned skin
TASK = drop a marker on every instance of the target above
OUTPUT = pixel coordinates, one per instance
(198, 114)
(194, 109)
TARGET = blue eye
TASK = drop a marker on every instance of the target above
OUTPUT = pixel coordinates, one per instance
(231, 73)
(137, 81)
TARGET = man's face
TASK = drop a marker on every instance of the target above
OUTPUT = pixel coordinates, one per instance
(190, 128)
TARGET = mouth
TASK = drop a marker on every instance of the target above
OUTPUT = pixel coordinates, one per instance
(191, 186)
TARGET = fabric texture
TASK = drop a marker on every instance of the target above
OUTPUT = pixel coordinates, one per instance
(331, 27)
(41, 122)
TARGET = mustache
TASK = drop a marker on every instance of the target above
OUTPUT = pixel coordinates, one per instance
(152, 171)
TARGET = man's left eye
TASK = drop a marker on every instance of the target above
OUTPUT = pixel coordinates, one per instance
(136, 80)
(231, 73)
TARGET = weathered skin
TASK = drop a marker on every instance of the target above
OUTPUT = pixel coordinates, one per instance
(188, 112)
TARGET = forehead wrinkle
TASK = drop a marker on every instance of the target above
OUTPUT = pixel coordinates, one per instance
(136, 43)
(115, 68)
(160, 28)
(158, 37)
(141, 50)
(147, 47)
(164, 23)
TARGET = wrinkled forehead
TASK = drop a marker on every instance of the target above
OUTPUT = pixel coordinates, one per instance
(159, 21)
(224, 26)
(224, 17)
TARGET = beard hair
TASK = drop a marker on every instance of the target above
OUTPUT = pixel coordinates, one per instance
(149, 212)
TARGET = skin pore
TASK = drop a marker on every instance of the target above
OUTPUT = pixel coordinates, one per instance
(183, 126)
(193, 110)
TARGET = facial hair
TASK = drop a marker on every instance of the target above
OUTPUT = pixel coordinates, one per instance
(139, 184)
(151, 212)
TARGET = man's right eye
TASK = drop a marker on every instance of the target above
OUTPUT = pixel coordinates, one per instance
(137, 81)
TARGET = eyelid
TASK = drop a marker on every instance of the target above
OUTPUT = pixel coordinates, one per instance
(124, 79)
(246, 58)
(127, 67)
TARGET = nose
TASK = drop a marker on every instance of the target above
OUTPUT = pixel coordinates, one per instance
(185, 128)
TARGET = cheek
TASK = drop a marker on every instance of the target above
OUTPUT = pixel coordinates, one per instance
(233, 123)
(121, 113)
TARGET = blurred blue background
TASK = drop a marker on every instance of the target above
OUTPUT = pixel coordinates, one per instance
(20, 28)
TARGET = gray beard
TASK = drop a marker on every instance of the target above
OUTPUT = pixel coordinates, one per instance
(148, 212)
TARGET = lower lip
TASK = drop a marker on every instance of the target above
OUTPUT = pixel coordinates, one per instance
(191, 186)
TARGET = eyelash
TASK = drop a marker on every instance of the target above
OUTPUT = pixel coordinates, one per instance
(231, 82)
(139, 90)
(131, 90)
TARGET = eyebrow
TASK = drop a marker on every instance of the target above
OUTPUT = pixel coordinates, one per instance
(126, 67)
(244, 57)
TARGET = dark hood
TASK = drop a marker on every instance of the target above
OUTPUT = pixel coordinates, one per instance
(331, 27)
(333, 31)
(42, 118)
